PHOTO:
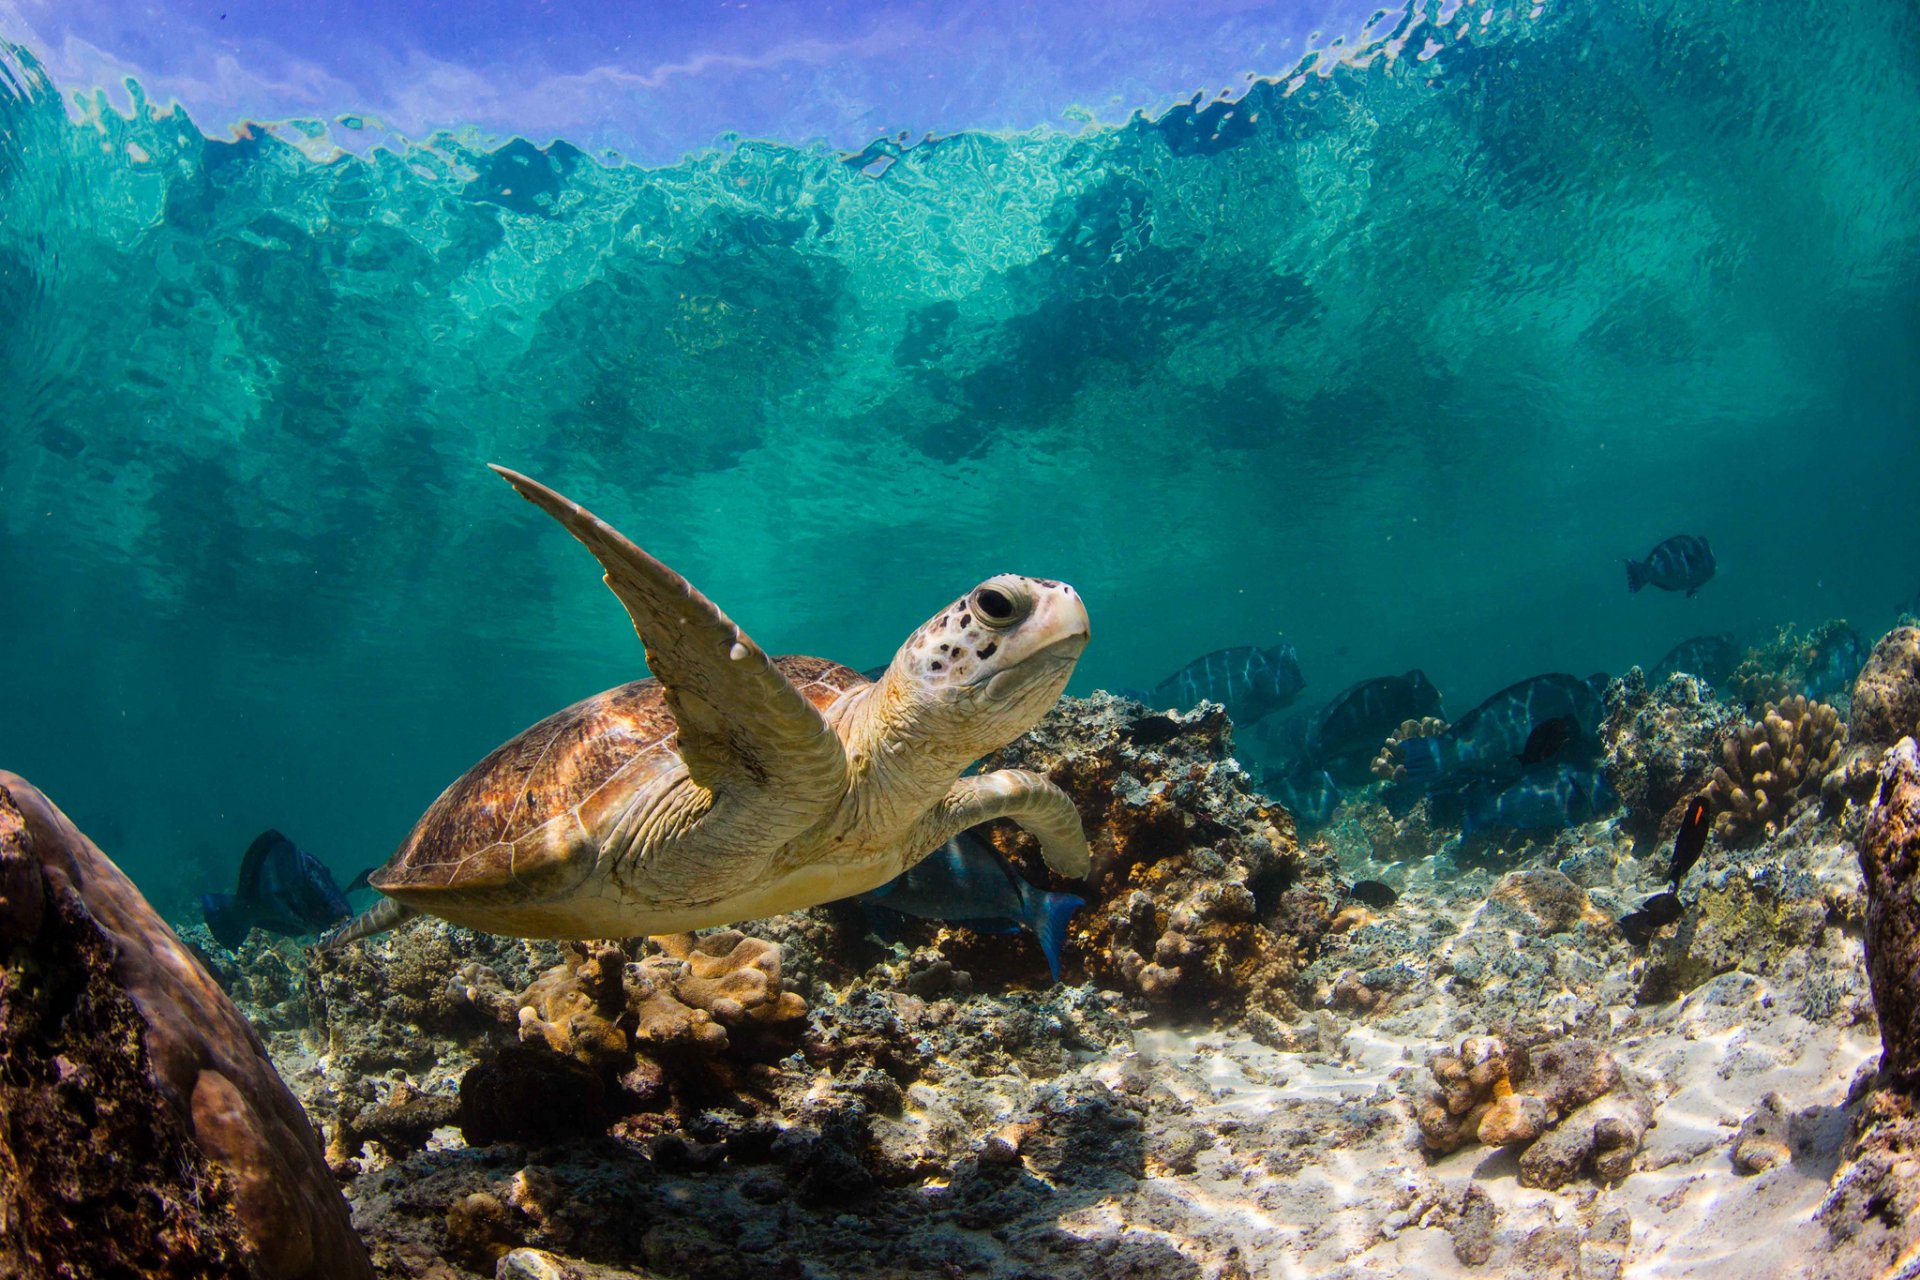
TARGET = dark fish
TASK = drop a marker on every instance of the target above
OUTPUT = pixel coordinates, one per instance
(1373, 893)
(1661, 909)
(1712, 658)
(1547, 738)
(283, 889)
(1310, 795)
(1683, 562)
(1344, 738)
(1493, 733)
(1691, 842)
(872, 674)
(965, 882)
(1248, 682)
(1556, 796)
(1837, 659)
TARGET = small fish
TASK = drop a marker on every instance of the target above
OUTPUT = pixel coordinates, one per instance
(966, 882)
(1659, 910)
(1683, 562)
(1712, 658)
(1310, 795)
(1547, 738)
(1373, 893)
(1835, 664)
(283, 889)
(1556, 796)
(1493, 733)
(1346, 735)
(1248, 682)
(1691, 842)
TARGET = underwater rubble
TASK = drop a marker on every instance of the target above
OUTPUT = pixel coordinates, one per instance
(1254, 1066)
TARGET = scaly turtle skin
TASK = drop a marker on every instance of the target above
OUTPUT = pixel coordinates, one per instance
(733, 785)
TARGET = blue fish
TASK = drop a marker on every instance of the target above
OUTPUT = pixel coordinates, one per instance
(1683, 562)
(1344, 738)
(1837, 659)
(1559, 796)
(1310, 795)
(1712, 658)
(283, 889)
(1248, 682)
(1493, 734)
(966, 882)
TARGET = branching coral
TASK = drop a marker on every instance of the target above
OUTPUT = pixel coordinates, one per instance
(1388, 763)
(1771, 763)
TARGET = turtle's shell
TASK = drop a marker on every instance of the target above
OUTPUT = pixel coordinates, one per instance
(528, 819)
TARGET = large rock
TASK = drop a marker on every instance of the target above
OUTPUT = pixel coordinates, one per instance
(1890, 861)
(145, 1131)
(1886, 697)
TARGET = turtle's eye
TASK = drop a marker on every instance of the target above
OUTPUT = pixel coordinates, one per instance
(995, 607)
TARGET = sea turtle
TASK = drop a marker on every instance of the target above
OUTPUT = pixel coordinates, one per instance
(730, 785)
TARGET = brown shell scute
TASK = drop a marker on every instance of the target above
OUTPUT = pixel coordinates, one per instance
(472, 837)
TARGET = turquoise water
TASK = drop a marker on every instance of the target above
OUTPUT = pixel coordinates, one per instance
(1395, 359)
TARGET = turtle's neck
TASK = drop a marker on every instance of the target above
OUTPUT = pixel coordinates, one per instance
(896, 769)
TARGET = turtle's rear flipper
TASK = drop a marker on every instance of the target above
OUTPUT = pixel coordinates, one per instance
(380, 917)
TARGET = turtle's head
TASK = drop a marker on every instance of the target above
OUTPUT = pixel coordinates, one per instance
(986, 668)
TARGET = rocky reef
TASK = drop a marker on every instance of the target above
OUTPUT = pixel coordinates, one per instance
(1662, 746)
(146, 1131)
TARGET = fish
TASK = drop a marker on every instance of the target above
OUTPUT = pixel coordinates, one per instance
(1348, 731)
(1547, 738)
(1493, 733)
(1690, 842)
(1835, 664)
(1661, 909)
(282, 889)
(1683, 562)
(965, 882)
(1712, 658)
(1373, 893)
(1555, 796)
(1248, 682)
(1310, 795)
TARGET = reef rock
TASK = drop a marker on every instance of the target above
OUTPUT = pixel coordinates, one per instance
(1769, 765)
(1662, 745)
(1890, 861)
(1563, 1104)
(147, 1133)
(1199, 900)
(1886, 697)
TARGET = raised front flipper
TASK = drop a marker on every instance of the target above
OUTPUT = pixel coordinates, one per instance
(742, 724)
(1040, 808)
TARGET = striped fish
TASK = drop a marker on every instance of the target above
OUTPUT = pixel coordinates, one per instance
(1248, 682)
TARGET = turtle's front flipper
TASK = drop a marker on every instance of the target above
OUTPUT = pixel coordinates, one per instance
(742, 723)
(378, 918)
(1042, 810)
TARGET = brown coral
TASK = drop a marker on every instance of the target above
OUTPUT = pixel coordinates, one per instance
(1890, 863)
(1389, 763)
(1200, 900)
(1769, 765)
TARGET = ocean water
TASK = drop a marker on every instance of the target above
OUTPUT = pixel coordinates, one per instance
(1395, 358)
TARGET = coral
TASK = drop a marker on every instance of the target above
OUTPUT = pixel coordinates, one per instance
(1768, 765)
(1784, 666)
(146, 1130)
(1199, 900)
(1886, 697)
(1389, 763)
(1890, 862)
(1661, 746)
(1563, 1103)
